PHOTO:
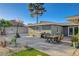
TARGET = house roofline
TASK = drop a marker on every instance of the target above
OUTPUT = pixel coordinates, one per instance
(55, 24)
(72, 16)
(41, 24)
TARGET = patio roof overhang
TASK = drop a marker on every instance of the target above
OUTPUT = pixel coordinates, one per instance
(54, 24)
(69, 24)
(42, 24)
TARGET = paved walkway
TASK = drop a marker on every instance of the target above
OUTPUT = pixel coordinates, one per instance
(63, 49)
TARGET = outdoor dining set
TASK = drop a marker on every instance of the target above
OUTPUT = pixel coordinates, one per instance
(52, 38)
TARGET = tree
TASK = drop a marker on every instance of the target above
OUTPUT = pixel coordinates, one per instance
(36, 9)
(3, 24)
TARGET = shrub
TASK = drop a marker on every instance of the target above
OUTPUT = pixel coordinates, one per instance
(74, 39)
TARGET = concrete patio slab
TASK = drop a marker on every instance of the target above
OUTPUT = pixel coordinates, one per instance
(62, 49)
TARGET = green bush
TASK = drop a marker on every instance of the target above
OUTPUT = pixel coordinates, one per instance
(74, 39)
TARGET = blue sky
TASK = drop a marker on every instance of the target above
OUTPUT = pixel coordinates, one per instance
(56, 12)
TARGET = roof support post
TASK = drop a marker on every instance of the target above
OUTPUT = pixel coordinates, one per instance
(78, 33)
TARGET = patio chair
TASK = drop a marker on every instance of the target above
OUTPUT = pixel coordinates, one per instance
(47, 37)
(55, 40)
(42, 35)
(60, 37)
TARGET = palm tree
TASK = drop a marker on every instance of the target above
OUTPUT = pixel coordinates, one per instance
(36, 9)
(3, 24)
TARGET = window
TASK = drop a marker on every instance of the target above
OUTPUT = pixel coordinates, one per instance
(46, 27)
(78, 20)
(33, 28)
(36, 27)
(57, 29)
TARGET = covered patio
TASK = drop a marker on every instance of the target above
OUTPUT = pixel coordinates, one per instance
(70, 29)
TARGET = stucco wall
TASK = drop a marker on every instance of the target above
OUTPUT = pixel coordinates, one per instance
(11, 30)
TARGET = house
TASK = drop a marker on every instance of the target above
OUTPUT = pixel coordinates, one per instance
(68, 28)
(22, 28)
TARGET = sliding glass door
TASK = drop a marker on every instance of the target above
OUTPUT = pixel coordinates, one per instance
(72, 31)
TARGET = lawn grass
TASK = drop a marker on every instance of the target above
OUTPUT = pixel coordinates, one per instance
(29, 52)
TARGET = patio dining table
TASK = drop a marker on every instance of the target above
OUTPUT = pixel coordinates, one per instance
(52, 38)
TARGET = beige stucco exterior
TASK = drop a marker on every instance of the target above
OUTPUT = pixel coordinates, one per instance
(73, 19)
(32, 32)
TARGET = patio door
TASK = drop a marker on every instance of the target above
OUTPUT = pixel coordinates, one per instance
(70, 31)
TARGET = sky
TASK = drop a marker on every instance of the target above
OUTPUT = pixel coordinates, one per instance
(56, 12)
